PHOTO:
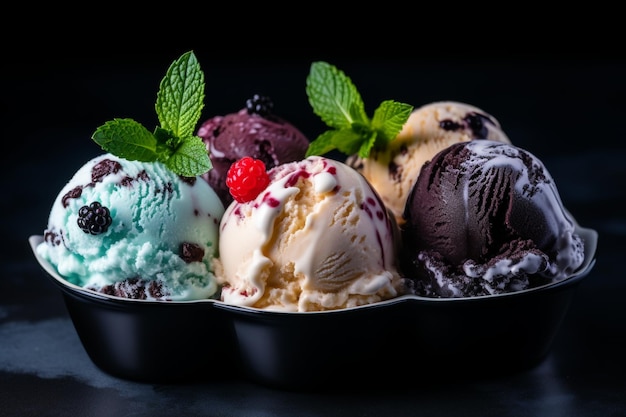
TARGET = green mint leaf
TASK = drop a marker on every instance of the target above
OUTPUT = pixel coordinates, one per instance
(181, 96)
(179, 104)
(167, 143)
(322, 144)
(336, 100)
(348, 141)
(190, 159)
(127, 139)
(367, 144)
(389, 118)
(333, 96)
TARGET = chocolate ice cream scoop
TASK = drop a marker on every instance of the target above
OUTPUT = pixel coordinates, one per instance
(252, 131)
(485, 217)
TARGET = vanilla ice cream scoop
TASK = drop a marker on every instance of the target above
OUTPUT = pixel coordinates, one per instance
(317, 238)
(392, 171)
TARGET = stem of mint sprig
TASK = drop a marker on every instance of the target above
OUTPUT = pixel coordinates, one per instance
(336, 100)
(179, 105)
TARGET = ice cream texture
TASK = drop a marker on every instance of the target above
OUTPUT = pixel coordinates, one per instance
(253, 131)
(317, 238)
(393, 170)
(484, 218)
(151, 234)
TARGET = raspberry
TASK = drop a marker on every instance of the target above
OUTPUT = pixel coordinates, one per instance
(246, 179)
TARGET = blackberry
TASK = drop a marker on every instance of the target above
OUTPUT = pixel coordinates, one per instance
(261, 105)
(94, 218)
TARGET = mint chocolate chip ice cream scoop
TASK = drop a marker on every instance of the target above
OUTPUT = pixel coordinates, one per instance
(135, 230)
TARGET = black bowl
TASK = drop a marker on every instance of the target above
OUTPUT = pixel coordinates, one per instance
(149, 341)
(367, 345)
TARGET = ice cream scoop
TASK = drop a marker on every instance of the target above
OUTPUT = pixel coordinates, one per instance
(317, 238)
(485, 217)
(135, 230)
(253, 131)
(429, 129)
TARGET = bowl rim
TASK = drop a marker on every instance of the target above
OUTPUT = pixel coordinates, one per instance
(589, 237)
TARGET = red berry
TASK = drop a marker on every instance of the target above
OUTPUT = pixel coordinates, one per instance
(246, 179)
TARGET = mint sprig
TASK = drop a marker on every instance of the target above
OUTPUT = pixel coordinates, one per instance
(336, 100)
(179, 105)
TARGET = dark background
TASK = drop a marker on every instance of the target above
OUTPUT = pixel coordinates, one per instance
(564, 103)
(566, 107)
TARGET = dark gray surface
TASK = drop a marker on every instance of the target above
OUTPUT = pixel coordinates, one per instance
(568, 111)
(45, 371)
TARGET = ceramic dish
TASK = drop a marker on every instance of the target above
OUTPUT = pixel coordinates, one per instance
(460, 337)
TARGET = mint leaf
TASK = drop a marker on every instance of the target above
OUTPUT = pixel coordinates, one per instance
(367, 144)
(322, 145)
(336, 100)
(181, 96)
(189, 158)
(347, 141)
(389, 118)
(127, 139)
(179, 105)
(333, 96)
